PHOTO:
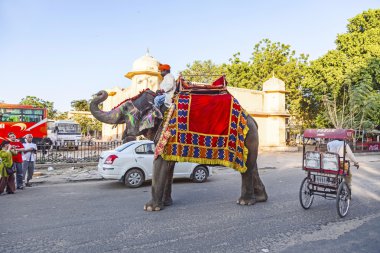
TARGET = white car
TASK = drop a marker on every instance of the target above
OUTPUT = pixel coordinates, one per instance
(132, 163)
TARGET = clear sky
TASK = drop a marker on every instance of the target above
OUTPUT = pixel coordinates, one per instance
(64, 50)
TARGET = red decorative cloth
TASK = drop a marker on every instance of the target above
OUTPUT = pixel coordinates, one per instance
(209, 114)
(206, 129)
(221, 81)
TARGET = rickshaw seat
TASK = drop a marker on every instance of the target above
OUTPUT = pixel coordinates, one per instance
(330, 162)
(324, 162)
(312, 160)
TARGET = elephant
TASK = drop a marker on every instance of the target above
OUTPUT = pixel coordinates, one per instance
(142, 118)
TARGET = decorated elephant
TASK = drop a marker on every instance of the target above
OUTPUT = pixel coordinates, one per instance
(203, 139)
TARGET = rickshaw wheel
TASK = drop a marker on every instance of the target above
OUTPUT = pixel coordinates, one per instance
(343, 199)
(306, 196)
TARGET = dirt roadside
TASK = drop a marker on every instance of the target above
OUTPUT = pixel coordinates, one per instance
(65, 173)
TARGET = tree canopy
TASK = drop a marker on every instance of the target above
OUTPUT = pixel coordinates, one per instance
(345, 82)
(80, 105)
(88, 125)
(40, 103)
(202, 71)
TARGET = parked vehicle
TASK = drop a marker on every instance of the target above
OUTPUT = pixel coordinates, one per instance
(132, 164)
(64, 133)
(23, 120)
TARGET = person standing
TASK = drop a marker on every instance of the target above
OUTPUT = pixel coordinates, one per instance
(28, 158)
(17, 159)
(6, 179)
(167, 86)
(337, 146)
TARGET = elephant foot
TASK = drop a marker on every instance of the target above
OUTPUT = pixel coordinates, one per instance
(150, 206)
(261, 195)
(168, 202)
(246, 201)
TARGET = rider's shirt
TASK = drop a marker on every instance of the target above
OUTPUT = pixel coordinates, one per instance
(336, 146)
(168, 85)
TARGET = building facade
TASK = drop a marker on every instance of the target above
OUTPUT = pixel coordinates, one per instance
(267, 107)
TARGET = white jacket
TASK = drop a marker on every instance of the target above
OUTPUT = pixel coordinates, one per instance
(168, 84)
(336, 146)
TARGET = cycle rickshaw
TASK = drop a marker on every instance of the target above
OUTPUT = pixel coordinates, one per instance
(326, 171)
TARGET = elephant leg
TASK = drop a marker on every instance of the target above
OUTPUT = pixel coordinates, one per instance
(167, 200)
(258, 186)
(160, 175)
(247, 193)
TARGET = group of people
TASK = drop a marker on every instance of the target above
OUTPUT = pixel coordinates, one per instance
(16, 163)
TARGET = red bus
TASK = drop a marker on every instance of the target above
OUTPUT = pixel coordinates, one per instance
(22, 120)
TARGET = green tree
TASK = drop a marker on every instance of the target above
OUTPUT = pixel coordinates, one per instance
(202, 71)
(345, 82)
(61, 116)
(239, 73)
(80, 105)
(88, 125)
(279, 60)
(40, 103)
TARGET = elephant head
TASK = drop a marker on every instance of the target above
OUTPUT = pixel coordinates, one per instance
(138, 113)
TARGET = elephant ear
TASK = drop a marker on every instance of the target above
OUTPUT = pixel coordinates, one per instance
(149, 118)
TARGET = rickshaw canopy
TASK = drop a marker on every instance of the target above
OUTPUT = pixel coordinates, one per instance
(341, 134)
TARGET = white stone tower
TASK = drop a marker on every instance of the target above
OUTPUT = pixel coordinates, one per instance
(274, 107)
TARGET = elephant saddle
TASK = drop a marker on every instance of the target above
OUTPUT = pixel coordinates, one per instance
(206, 129)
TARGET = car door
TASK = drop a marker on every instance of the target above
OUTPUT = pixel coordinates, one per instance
(144, 155)
(183, 169)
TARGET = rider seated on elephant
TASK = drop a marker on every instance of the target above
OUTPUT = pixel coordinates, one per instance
(167, 87)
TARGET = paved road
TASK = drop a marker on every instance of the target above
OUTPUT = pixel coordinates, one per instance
(104, 216)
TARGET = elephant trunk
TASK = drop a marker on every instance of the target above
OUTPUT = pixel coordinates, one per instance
(111, 117)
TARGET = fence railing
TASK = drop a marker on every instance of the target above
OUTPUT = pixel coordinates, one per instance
(84, 152)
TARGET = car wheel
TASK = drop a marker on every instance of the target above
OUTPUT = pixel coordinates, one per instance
(134, 178)
(200, 174)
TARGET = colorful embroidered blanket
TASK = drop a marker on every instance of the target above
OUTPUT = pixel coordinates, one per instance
(206, 129)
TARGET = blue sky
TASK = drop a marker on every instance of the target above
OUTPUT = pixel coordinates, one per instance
(63, 50)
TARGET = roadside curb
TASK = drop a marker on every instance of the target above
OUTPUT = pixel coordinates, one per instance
(46, 181)
(65, 165)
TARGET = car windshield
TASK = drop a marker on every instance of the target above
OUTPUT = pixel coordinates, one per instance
(124, 146)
